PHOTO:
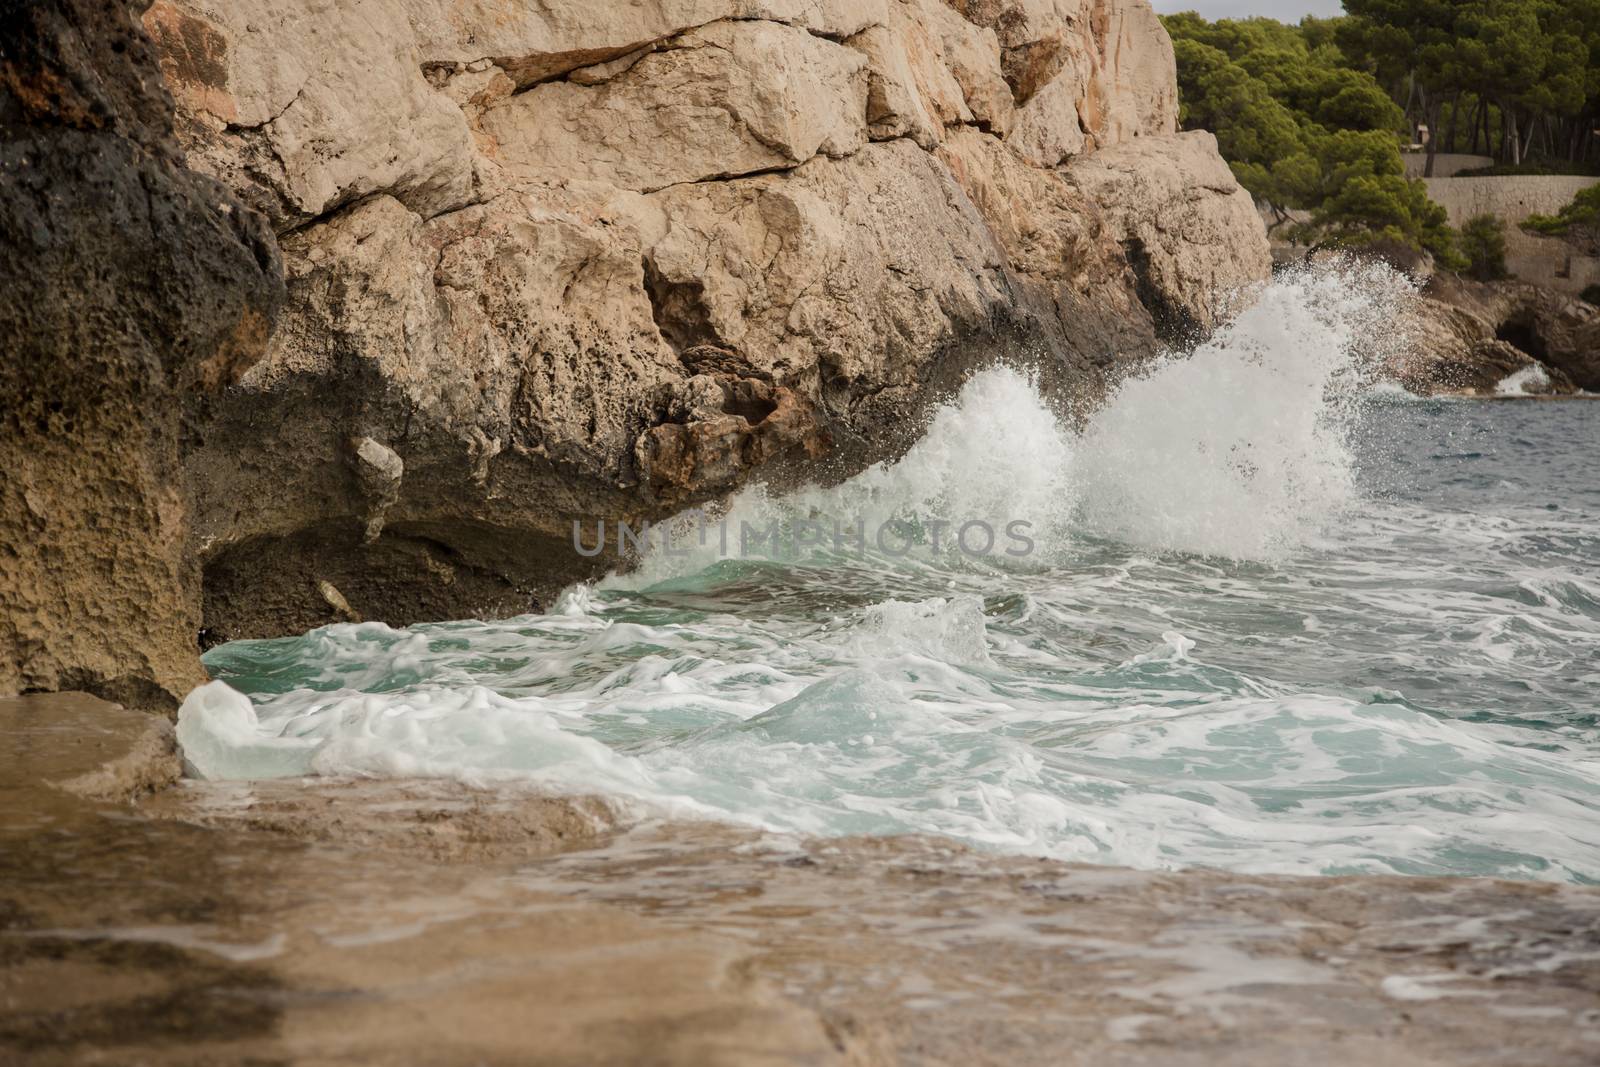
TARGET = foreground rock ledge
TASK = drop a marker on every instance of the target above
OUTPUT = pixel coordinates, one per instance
(413, 922)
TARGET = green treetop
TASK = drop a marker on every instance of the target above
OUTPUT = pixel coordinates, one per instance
(1304, 131)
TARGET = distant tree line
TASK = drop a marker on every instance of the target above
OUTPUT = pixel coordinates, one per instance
(1313, 117)
(1513, 79)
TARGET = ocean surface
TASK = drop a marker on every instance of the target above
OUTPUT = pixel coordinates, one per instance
(1259, 614)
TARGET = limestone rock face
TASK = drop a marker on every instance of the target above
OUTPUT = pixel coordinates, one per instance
(579, 260)
(1449, 350)
(1561, 332)
(1183, 221)
(727, 99)
(133, 291)
(1085, 74)
(279, 107)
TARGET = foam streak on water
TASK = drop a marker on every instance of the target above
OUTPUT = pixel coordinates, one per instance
(1269, 626)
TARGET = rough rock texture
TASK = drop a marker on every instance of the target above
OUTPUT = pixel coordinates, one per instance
(1084, 74)
(728, 98)
(1451, 351)
(437, 818)
(1561, 332)
(132, 288)
(1468, 337)
(1186, 255)
(543, 266)
(564, 262)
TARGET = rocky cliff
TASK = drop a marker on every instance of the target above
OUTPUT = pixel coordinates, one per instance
(544, 261)
(567, 259)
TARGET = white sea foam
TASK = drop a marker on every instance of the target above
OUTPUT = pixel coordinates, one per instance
(1241, 448)
(1223, 654)
(1529, 381)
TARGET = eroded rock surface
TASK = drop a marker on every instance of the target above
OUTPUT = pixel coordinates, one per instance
(569, 261)
(1186, 257)
(1469, 337)
(133, 289)
(69, 748)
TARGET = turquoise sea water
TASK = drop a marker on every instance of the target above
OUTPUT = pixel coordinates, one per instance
(1275, 621)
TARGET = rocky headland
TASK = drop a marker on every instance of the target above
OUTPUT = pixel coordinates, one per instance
(318, 312)
(495, 267)
(393, 297)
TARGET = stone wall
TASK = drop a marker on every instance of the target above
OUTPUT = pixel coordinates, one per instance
(1539, 260)
(1445, 164)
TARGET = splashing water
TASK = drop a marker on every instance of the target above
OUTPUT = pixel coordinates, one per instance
(1269, 626)
(996, 457)
(1529, 381)
(1242, 448)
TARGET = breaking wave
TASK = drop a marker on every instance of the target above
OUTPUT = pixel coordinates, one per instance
(1265, 626)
